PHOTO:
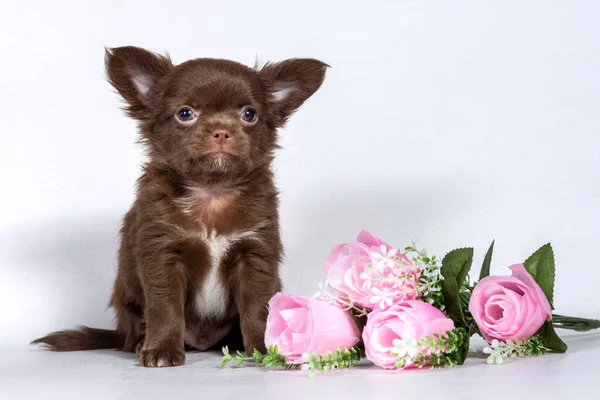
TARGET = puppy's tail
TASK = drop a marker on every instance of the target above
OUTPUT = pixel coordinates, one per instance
(83, 338)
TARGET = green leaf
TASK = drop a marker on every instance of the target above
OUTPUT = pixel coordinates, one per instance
(463, 350)
(473, 329)
(487, 261)
(455, 268)
(452, 302)
(226, 359)
(540, 266)
(456, 264)
(551, 340)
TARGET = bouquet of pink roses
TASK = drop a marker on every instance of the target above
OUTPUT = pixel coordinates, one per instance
(413, 311)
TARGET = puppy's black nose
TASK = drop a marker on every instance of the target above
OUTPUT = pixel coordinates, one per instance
(221, 135)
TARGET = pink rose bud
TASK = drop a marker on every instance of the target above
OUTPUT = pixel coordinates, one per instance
(306, 325)
(397, 331)
(509, 307)
(371, 273)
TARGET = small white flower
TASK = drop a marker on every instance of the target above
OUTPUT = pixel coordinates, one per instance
(430, 273)
(305, 367)
(366, 277)
(406, 346)
(377, 299)
(385, 258)
(495, 352)
(382, 297)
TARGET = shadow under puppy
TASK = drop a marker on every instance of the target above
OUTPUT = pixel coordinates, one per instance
(200, 247)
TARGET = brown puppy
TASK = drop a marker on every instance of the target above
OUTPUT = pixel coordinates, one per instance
(200, 247)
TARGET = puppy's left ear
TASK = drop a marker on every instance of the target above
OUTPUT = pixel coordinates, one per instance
(289, 83)
(134, 72)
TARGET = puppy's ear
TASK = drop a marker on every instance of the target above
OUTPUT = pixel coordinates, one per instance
(289, 83)
(134, 72)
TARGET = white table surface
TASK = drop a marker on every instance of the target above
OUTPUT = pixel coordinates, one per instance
(27, 373)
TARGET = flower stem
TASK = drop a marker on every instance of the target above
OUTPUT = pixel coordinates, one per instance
(575, 323)
(359, 312)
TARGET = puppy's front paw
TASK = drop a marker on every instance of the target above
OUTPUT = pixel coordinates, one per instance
(164, 357)
(139, 347)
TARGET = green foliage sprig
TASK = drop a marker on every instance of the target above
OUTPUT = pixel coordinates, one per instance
(435, 351)
(341, 358)
(499, 351)
(271, 359)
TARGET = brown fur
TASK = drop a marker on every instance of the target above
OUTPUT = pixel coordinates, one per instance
(186, 194)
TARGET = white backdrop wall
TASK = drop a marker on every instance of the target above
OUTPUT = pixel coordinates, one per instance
(454, 122)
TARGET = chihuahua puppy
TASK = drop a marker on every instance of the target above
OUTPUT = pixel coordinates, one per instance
(200, 247)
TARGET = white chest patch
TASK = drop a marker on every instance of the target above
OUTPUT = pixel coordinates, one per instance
(213, 297)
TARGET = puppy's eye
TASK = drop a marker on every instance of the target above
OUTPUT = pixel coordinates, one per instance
(185, 114)
(249, 114)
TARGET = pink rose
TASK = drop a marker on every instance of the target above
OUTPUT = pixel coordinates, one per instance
(397, 331)
(306, 325)
(509, 307)
(370, 273)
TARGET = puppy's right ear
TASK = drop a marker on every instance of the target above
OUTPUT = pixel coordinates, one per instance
(134, 72)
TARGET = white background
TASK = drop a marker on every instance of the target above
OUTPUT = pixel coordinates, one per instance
(452, 122)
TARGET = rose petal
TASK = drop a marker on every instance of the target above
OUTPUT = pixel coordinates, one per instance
(519, 272)
(368, 239)
(332, 328)
(439, 326)
(332, 257)
(275, 323)
(295, 318)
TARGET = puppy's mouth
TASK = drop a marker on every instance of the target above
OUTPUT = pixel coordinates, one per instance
(220, 153)
(218, 160)
(221, 156)
(221, 159)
